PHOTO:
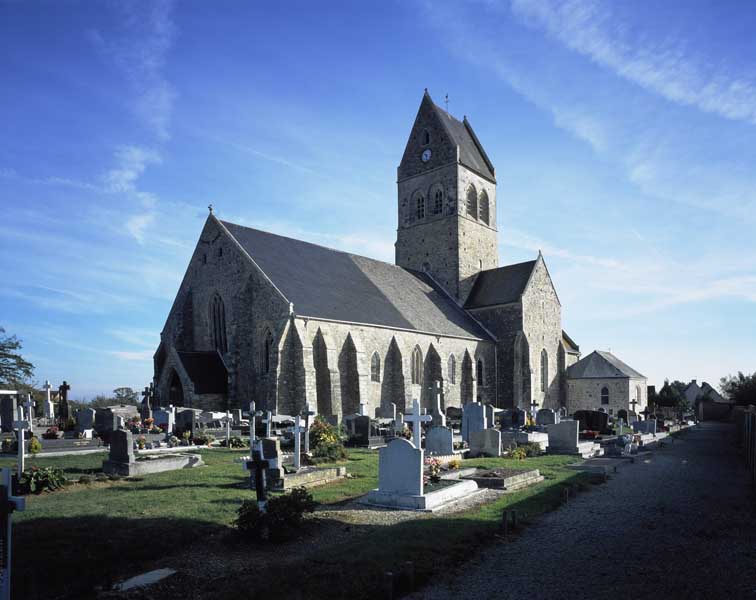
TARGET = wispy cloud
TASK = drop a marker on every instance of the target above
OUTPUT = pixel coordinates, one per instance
(131, 162)
(139, 52)
(666, 67)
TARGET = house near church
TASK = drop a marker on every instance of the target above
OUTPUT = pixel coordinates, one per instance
(286, 322)
(601, 381)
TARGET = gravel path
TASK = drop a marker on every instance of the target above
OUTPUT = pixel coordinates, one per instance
(679, 524)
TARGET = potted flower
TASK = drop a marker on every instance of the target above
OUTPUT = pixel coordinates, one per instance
(434, 469)
(141, 442)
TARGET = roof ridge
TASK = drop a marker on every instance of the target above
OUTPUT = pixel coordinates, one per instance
(475, 139)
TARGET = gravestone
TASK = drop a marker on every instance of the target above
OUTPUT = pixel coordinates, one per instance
(399, 424)
(546, 416)
(439, 441)
(519, 417)
(236, 415)
(454, 414)
(505, 418)
(400, 468)
(359, 430)
(485, 443)
(85, 418)
(8, 406)
(145, 410)
(473, 419)
(439, 418)
(564, 436)
(63, 408)
(48, 408)
(490, 414)
(105, 420)
(644, 426)
(563, 412)
(122, 447)
(164, 419)
(271, 451)
(416, 420)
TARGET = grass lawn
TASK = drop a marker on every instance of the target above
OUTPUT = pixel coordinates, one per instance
(97, 533)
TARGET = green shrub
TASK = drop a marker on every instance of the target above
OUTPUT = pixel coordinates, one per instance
(322, 432)
(235, 442)
(36, 480)
(282, 519)
(35, 446)
(329, 452)
(531, 449)
(518, 453)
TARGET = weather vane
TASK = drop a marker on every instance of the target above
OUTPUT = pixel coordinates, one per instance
(210, 207)
(447, 102)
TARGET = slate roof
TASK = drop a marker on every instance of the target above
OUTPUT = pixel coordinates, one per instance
(330, 284)
(206, 370)
(471, 153)
(500, 286)
(601, 365)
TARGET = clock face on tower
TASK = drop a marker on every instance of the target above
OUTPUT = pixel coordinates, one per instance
(426, 155)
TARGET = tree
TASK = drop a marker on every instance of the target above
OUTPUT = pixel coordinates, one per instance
(125, 395)
(14, 369)
(670, 394)
(740, 388)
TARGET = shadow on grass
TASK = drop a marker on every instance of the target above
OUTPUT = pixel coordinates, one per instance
(80, 553)
(355, 568)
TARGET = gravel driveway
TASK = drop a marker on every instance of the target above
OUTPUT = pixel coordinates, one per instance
(679, 524)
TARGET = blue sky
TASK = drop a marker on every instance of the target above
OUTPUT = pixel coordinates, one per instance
(623, 135)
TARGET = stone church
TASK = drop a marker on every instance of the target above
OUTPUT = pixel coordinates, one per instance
(284, 322)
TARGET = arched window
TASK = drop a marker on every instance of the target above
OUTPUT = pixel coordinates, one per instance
(420, 207)
(483, 207)
(604, 395)
(417, 366)
(266, 361)
(472, 202)
(544, 371)
(438, 201)
(452, 376)
(479, 374)
(218, 324)
(426, 137)
(375, 367)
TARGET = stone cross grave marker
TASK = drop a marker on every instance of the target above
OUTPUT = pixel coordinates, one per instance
(633, 402)
(417, 419)
(439, 418)
(8, 504)
(253, 414)
(306, 414)
(393, 410)
(399, 424)
(297, 430)
(63, 403)
(49, 411)
(228, 429)
(21, 425)
(258, 466)
(146, 409)
(268, 420)
(473, 419)
(533, 408)
(29, 406)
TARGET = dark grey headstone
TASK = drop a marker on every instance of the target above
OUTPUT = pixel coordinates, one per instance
(122, 447)
(8, 412)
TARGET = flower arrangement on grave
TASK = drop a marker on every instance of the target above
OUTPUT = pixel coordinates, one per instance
(35, 446)
(52, 433)
(326, 441)
(434, 469)
(134, 424)
(406, 433)
(518, 453)
(140, 442)
(173, 441)
(460, 445)
(148, 423)
(186, 438)
(156, 429)
(454, 464)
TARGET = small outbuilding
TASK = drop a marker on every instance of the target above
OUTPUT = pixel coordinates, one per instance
(601, 381)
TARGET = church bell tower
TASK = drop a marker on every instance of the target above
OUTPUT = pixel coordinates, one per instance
(447, 202)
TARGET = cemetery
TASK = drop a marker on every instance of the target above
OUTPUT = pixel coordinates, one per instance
(182, 473)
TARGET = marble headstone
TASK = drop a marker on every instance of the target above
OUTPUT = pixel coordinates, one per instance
(486, 443)
(400, 468)
(546, 416)
(439, 441)
(473, 419)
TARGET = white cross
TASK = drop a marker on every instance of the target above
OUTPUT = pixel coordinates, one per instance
(12, 503)
(228, 429)
(20, 425)
(416, 419)
(297, 429)
(307, 413)
(268, 420)
(29, 405)
(533, 406)
(253, 414)
(439, 417)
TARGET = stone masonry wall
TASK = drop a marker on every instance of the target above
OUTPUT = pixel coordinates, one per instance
(346, 355)
(585, 394)
(542, 324)
(252, 307)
